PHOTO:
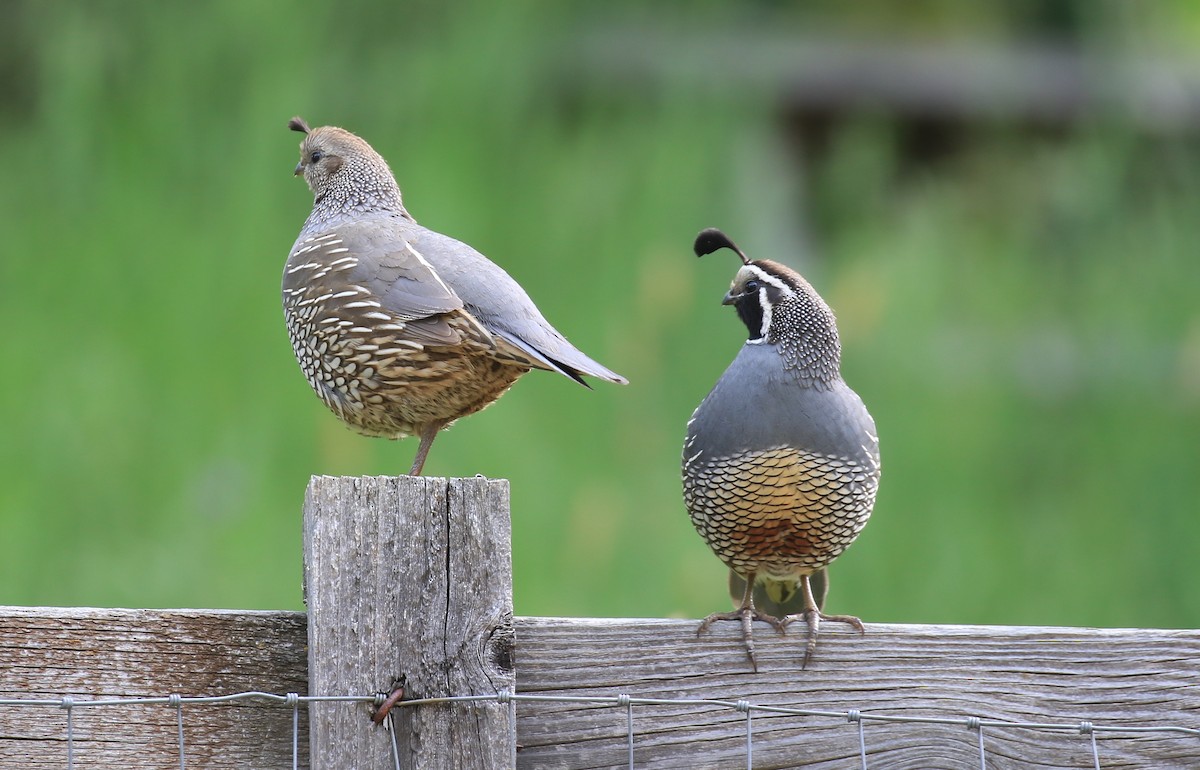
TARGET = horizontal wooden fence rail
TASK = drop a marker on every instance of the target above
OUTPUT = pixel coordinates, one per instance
(1111, 678)
(900, 696)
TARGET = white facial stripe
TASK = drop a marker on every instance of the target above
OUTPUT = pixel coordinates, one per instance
(767, 309)
(765, 279)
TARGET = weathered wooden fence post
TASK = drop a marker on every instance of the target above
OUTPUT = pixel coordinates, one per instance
(409, 579)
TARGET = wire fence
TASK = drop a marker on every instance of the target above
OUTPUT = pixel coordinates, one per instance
(976, 726)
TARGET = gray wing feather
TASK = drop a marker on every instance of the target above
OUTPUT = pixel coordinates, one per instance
(406, 286)
(501, 305)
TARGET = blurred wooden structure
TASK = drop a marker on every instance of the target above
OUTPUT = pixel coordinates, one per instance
(1038, 83)
(408, 579)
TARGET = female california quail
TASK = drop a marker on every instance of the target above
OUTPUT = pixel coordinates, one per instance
(781, 460)
(401, 330)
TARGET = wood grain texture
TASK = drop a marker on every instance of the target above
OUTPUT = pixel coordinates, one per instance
(48, 653)
(1110, 677)
(409, 580)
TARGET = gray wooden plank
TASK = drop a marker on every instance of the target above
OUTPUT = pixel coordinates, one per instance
(1121, 677)
(409, 580)
(1112, 677)
(99, 653)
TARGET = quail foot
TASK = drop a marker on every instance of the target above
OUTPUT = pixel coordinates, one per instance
(401, 330)
(781, 460)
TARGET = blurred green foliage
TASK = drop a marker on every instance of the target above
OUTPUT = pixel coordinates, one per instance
(1021, 317)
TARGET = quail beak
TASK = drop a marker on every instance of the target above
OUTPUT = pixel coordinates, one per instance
(730, 298)
(299, 169)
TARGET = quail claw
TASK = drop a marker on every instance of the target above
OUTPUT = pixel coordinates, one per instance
(812, 617)
(746, 614)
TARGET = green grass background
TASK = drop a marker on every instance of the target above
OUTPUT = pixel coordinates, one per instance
(1021, 317)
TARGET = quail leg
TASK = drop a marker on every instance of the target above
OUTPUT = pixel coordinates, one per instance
(747, 614)
(813, 616)
(428, 433)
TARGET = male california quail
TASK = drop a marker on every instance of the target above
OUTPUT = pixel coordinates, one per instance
(401, 330)
(781, 460)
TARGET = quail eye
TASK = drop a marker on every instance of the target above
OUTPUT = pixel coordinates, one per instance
(752, 285)
(315, 156)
